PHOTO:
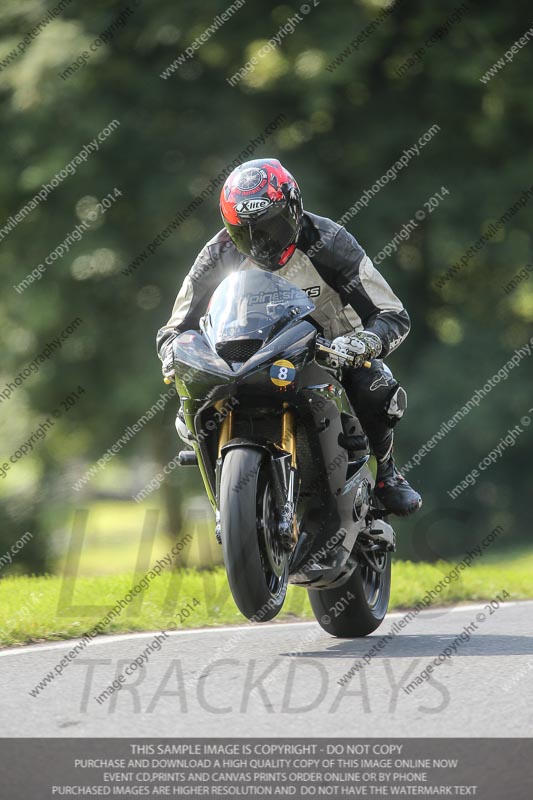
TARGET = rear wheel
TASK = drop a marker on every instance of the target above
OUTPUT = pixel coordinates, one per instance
(359, 606)
(256, 563)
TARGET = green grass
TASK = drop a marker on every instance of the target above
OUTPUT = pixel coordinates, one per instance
(116, 536)
(32, 610)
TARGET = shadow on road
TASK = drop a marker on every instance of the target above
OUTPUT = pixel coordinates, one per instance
(409, 646)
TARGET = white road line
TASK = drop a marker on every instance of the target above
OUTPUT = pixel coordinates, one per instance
(123, 637)
(482, 605)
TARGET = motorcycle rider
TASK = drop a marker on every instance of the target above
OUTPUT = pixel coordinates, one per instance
(265, 226)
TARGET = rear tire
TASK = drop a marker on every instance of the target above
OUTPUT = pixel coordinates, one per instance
(256, 564)
(357, 607)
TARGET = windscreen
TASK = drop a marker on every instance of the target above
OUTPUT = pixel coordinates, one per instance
(253, 304)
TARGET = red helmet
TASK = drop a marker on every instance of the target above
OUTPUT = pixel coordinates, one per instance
(261, 206)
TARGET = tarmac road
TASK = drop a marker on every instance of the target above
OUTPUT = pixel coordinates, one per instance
(282, 680)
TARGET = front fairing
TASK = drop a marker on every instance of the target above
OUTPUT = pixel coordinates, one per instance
(202, 374)
(253, 306)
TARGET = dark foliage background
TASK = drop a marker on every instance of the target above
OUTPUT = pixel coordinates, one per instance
(344, 127)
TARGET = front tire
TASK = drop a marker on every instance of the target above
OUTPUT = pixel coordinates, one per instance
(357, 607)
(256, 564)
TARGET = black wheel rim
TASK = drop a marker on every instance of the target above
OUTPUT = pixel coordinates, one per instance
(373, 569)
(273, 556)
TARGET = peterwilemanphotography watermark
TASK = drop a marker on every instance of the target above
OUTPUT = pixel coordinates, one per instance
(67, 171)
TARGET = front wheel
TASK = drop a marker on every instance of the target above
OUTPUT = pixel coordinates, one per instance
(359, 606)
(256, 563)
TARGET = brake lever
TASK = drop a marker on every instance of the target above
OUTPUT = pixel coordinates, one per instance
(324, 346)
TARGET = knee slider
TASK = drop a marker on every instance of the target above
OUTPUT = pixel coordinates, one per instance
(396, 405)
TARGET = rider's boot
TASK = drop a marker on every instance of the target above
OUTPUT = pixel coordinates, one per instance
(391, 489)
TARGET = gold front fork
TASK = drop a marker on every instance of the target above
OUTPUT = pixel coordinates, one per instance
(288, 443)
(288, 435)
(226, 428)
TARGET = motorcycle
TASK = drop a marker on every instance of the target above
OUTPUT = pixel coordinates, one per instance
(283, 457)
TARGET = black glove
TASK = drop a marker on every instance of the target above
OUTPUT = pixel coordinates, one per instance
(357, 347)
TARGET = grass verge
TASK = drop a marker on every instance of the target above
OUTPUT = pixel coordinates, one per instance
(36, 609)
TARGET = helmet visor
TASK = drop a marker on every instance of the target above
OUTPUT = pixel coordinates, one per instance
(263, 240)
